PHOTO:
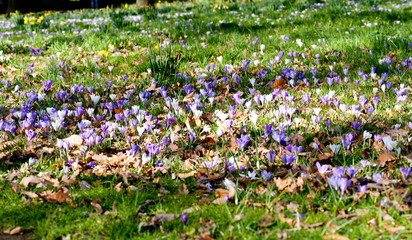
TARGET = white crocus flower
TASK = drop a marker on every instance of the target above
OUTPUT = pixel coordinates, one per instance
(390, 145)
(95, 99)
(299, 42)
(335, 148)
(112, 96)
(253, 117)
(366, 135)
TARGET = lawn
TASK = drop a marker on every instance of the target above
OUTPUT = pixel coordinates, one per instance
(208, 120)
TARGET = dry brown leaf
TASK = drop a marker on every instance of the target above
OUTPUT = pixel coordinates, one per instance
(118, 187)
(173, 147)
(183, 189)
(288, 221)
(334, 236)
(278, 83)
(30, 194)
(265, 220)
(85, 185)
(13, 231)
(26, 181)
(74, 140)
(189, 97)
(392, 229)
(186, 175)
(325, 156)
(238, 217)
(282, 184)
(192, 209)
(96, 205)
(163, 217)
(58, 196)
(219, 201)
(384, 158)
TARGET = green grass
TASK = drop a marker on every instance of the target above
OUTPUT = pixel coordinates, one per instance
(77, 52)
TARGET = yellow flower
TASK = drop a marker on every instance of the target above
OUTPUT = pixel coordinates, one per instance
(125, 6)
(156, 47)
(103, 53)
(32, 23)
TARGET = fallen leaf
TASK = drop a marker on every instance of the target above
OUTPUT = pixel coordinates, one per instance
(163, 217)
(392, 229)
(384, 158)
(74, 140)
(96, 205)
(334, 236)
(183, 189)
(118, 187)
(238, 217)
(30, 194)
(13, 231)
(85, 185)
(186, 175)
(265, 220)
(219, 201)
(26, 181)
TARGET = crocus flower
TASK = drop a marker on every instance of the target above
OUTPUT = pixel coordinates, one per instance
(91, 164)
(362, 188)
(30, 134)
(322, 168)
(356, 125)
(390, 145)
(409, 124)
(376, 177)
(153, 149)
(288, 158)
(405, 172)
(344, 184)
(266, 175)
(243, 141)
(335, 148)
(32, 161)
(351, 171)
(270, 156)
(183, 218)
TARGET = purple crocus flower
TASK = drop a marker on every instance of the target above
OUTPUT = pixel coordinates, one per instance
(356, 125)
(288, 158)
(409, 124)
(351, 171)
(270, 156)
(191, 135)
(405, 172)
(322, 168)
(91, 164)
(266, 175)
(344, 184)
(376, 177)
(243, 141)
(47, 85)
(347, 140)
(334, 182)
(362, 188)
(338, 171)
(267, 130)
(153, 149)
(30, 135)
(184, 218)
